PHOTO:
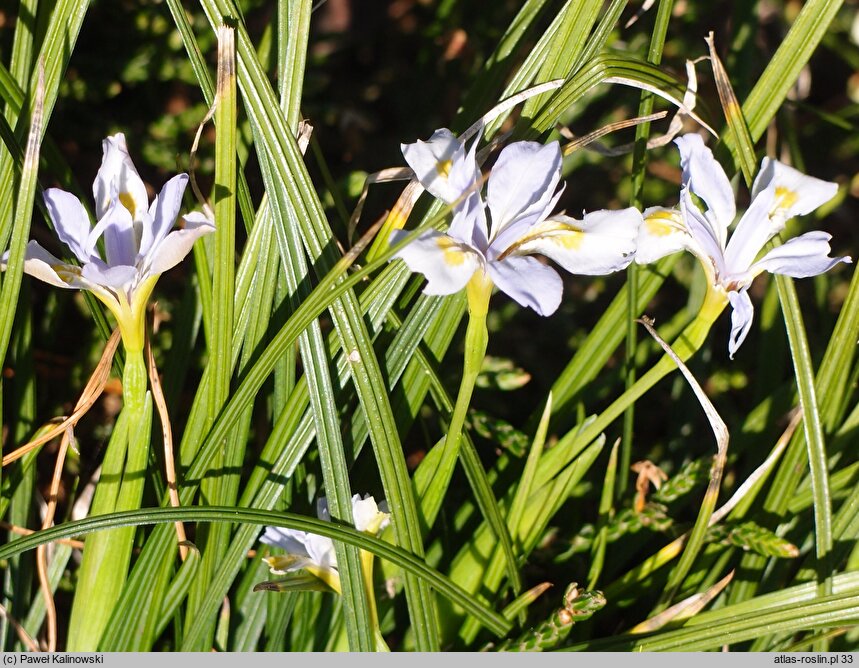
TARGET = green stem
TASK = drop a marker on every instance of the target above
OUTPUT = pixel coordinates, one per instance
(107, 554)
(431, 488)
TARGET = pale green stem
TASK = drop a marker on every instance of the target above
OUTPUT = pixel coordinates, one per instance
(367, 573)
(107, 554)
(431, 490)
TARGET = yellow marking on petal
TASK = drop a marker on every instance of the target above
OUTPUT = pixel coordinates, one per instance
(570, 237)
(443, 167)
(280, 563)
(662, 223)
(127, 200)
(561, 234)
(453, 255)
(784, 198)
(67, 272)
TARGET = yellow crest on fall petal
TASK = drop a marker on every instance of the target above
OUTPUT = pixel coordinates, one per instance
(785, 198)
(453, 255)
(443, 167)
(662, 223)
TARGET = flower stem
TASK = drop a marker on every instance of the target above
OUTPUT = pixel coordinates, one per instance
(367, 575)
(431, 491)
(107, 554)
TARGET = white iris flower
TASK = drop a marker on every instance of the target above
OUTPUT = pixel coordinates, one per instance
(778, 193)
(138, 243)
(521, 193)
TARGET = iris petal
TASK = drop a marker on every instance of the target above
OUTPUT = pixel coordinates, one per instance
(173, 249)
(800, 257)
(741, 319)
(796, 193)
(704, 239)
(70, 220)
(522, 183)
(41, 264)
(706, 178)
(661, 233)
(447, 263)
(162, 213)
(117, 172)
(117, 228)
(602, 243)
(432, 160)
(752, 233)
(529, 282)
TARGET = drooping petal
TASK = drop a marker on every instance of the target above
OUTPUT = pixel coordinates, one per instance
(796, 194)
(602, 243)
(706, 178)
(741, 319)
(118, 174)
(447, 264)
(432, 161)
(120, 243)
(661, 233)
(41, 264)
(529, 282)
(70, 220)
(522, 184)
(800, 257)
(176, 245)
(162, 213)
(704, 239)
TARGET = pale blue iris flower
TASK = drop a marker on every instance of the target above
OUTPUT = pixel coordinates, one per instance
(137, 239)
(521, 193)
(779, 193)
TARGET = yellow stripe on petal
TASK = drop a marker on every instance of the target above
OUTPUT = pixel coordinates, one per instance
(453, 254)
(663, 223)
(443, 167)
(564, 235)
(569, 238)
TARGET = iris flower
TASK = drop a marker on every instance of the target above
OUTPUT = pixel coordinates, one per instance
(138, 244)
(315, 553)
(778, 193)
(521, 193)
